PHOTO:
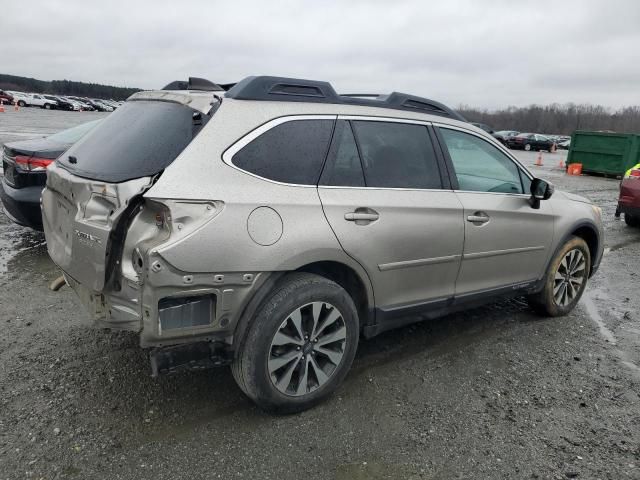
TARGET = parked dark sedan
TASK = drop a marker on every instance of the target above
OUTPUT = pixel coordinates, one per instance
(62, 104)
(530, 141)
(25, 172)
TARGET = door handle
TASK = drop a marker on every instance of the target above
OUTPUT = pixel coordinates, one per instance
(478, 217)
(361, 216)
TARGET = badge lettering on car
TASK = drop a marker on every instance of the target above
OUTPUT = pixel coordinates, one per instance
(87, 238)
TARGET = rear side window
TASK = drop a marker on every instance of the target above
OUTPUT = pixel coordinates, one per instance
(140, 139)
(397, 155)
(292, 152)
(343, 168)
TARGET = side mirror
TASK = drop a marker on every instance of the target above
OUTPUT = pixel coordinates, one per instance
(540, 190)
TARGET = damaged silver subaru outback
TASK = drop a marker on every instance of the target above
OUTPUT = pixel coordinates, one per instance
(268, 225)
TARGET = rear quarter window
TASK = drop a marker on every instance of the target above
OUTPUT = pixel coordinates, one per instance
(292, 152)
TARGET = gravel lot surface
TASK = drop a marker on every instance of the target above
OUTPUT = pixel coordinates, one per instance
(495, 392)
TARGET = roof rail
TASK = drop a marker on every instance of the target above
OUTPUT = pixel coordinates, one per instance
(194, 83)
(314, 91)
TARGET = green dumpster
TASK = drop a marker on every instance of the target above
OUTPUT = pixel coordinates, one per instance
(604, 153)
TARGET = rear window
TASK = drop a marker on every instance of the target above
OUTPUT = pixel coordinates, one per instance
(139, 139)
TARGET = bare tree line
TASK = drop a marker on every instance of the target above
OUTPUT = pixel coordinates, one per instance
(557, 119)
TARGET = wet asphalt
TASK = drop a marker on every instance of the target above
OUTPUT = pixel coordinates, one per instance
(494, 392)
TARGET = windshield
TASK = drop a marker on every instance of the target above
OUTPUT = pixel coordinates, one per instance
(73, 134)
(140, 139)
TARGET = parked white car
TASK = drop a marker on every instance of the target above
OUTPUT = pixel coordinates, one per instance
(36, 100)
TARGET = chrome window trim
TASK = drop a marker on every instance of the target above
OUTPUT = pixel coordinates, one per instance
(227, 155)
(334, 187)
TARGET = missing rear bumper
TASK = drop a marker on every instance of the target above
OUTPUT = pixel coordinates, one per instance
(194, 356)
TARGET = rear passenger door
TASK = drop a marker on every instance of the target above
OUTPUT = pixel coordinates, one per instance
(506, 241)
(392, 210)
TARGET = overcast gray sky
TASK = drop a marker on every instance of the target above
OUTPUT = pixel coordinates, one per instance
(481, 53)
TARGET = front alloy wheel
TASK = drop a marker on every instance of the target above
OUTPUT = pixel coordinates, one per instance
(569, 277)
(565, 279)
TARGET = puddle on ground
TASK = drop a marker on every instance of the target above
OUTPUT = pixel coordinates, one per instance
(619, 246)
(22, 251)
(593, 313)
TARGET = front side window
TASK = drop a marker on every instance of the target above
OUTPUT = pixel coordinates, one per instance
(292, 152)
(480, 166)
(397, 155)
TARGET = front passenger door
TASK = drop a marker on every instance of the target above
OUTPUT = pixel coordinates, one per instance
(506, 241)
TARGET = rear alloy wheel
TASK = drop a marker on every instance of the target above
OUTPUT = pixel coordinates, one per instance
(302, 358)
(632, 220)
(565, 281)
(300, 344)
(21, 103)
(527, 147)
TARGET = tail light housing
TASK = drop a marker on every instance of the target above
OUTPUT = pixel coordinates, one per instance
(33, 164)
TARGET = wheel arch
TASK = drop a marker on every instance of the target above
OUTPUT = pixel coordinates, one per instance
(348, 278)
(589, 233)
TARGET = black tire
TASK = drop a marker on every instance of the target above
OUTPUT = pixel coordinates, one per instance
(21, 103)
(527, 147)
(544, 302)
(250, 368)
(631, 220)
(47, 106)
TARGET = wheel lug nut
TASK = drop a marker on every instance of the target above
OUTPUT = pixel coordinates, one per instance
(299, 348)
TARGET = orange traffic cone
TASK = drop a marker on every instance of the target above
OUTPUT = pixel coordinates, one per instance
(561, 164)
(553, 148)
(1, 106)
(16, 107)
(539, 160)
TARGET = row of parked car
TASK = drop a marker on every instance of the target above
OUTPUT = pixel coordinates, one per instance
(526, 140)
(59, 102)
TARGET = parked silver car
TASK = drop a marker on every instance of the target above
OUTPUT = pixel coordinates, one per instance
(271, 225)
